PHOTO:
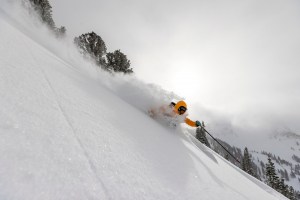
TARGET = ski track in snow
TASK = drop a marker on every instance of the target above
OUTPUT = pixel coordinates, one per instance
(92, 166)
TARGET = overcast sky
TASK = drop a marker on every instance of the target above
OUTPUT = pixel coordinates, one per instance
(240, 58)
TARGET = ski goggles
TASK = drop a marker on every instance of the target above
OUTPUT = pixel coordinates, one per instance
(182, 110)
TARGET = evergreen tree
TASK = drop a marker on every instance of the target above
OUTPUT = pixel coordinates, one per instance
(44, 10)
(246, 162)
(281, 187)
(118, 62)
(291, 193)
(201, 135)
(285, 190)
(270, 173)
(276, 182)
(92, 45)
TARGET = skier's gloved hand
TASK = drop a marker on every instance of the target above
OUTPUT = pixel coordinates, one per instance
(198, 123)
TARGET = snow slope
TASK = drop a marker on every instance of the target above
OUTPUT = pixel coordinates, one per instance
(66, 134)
(283, 145)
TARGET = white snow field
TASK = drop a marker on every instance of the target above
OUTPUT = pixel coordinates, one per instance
(65, 133)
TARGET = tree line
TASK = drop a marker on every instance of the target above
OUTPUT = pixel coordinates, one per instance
(92, 45)
(44, 11)
(247, 165)
(277, 183)
(89, 44)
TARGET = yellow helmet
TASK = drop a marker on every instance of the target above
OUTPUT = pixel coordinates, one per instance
(180, 107)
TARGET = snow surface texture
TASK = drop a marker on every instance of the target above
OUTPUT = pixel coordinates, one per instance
(65, 133)
(142, 96)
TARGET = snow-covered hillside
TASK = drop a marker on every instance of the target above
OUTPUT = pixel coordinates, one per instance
(283, 146)
(69, 131)
(286, 159)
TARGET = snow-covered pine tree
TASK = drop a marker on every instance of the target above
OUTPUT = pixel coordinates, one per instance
(281, 187)
(291, 193)
(276, 181)
(44, 10)
(201, 135)
(285, 190)
(118, 62)
(246, 162)
(270, 173)
(91, 44)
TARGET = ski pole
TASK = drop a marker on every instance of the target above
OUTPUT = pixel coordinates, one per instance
(220, 145)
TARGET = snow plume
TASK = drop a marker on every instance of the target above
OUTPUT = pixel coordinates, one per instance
(128, 87)
(138, 93)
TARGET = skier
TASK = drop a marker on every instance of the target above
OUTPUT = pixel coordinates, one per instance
(174, 110)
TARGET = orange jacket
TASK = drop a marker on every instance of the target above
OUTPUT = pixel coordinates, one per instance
(190, 122)
(175, 109)
(163, 109)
